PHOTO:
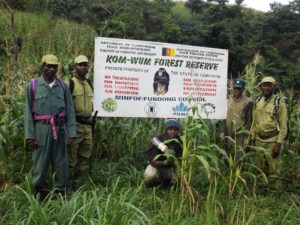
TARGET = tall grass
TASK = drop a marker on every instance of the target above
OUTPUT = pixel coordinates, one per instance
(117, 200)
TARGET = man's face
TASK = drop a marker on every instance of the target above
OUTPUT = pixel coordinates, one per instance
(82, 69)
(237, 92)
(49, 71)
(172, 132)
(267, 89)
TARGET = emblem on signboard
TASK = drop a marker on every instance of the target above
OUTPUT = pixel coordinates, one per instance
(109, 105)
(180, 110)
(208, 108)
(151, 109)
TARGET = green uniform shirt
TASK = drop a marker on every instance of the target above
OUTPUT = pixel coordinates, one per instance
(266, 121)
(82, 98)
(238, 115)
(49, 101)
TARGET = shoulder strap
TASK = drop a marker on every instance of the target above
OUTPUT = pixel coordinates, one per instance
(276, 103)
(33, 82)
(62, 84)
(90, 83)
(258, 99)
(71, 85)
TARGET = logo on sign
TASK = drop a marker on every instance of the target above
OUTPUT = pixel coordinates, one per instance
(109, 105)
(208, 108)
(180, 110)
(151, 109)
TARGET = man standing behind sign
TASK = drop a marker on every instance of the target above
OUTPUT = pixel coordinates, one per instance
(239, 118)
(81, 150)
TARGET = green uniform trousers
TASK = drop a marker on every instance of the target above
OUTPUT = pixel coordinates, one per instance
(265, 161)
(50, 150)
(80, 151)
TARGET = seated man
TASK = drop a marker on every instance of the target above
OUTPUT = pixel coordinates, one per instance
(161, 155)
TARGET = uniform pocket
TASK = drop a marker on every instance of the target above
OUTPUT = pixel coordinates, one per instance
(41, 101)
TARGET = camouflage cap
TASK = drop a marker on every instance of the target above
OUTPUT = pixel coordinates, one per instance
(81, 59)
(50, 59)
(268, 80)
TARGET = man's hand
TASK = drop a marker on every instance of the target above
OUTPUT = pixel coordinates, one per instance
(168, 162)
(224, 142)
(90, 120)
(70, 141)
(32, 143)
(169, 152)
(276, 150)
(248, 147)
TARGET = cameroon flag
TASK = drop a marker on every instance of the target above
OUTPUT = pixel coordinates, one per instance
(168, 52)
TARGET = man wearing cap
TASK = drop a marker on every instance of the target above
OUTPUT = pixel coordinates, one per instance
(239, 118)
(269, 129)
(49, 125)
(162, 154)
(81, 150)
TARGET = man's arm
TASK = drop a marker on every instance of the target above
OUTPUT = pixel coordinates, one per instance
(248, 115)
(29, 123)
(156, 158)
(282, 121)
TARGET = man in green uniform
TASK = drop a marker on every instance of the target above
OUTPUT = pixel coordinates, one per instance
(239, 119)
(269, 129)
(81, 150)
(49, 125)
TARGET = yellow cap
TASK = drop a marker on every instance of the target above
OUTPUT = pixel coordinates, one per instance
(50, 59)
(268, 80)
(81, 59)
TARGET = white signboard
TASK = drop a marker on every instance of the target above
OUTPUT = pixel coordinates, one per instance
(152, 79)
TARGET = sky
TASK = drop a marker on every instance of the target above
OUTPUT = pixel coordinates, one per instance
(262, 5)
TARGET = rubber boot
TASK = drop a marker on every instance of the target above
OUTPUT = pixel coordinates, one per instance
(70, 186)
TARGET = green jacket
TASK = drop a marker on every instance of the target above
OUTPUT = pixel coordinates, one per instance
(269, 124)
(82, 98)
(49, 101)
(239, 115)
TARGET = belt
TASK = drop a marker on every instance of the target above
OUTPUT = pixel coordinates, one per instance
(58, 122)
(269, 134)
(51, 120)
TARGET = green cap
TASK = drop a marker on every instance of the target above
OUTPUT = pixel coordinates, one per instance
(50, 59)
(239, 83)
(268, 80)
(81, 59)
